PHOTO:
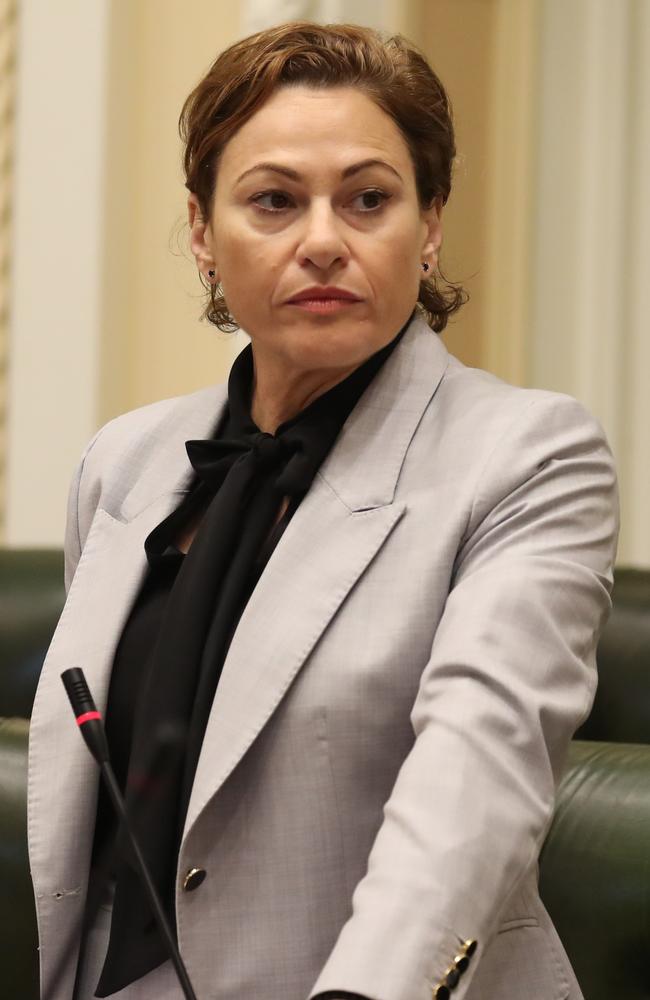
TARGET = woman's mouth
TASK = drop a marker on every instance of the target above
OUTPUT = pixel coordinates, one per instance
(329, 305)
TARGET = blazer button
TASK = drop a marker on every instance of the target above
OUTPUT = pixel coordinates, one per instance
(193, 879)
(452, 978)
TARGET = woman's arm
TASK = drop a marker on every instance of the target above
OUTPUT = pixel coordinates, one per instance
(510, 677)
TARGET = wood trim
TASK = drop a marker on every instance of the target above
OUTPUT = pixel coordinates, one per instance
(8, 55)
(511, 185)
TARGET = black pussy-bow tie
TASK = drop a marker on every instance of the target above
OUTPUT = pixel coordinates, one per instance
(298, 446)
(261, 453)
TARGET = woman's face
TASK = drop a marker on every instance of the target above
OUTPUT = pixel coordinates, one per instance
(318, 218)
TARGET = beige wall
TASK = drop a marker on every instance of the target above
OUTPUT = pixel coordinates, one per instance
(458, 39)
(152, 343)
(56, 257)
(8, 27)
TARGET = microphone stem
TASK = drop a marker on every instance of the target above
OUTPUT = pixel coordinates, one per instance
(159, 913)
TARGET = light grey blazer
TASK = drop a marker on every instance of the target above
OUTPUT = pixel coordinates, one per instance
(378, 772)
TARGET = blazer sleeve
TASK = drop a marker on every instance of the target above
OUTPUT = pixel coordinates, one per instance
(510, 677)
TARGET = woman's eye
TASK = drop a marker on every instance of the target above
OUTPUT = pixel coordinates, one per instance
(275, 196)
(374, 194)
(278, 200)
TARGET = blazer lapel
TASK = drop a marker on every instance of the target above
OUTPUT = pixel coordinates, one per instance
(322, 554)
(338, 529)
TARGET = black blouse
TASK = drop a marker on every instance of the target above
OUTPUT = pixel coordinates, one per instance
(164, 561)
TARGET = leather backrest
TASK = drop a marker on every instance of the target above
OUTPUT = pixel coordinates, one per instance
(594, 872)
(31, 599)
(19, 973)
(621, 711)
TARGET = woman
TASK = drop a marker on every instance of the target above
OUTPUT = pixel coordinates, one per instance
(343, 648)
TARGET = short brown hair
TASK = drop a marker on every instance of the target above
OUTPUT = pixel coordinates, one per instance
(390, 70)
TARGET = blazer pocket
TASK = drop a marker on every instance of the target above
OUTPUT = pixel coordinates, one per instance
(520, 963)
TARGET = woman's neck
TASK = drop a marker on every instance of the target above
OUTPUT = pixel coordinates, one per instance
(280, 394)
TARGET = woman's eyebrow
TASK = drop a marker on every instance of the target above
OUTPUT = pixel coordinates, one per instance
(295, 176)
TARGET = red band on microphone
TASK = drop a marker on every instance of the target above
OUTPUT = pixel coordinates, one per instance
(86, 717)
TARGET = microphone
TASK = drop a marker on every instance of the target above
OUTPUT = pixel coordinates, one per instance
(88, 718)
(89, 721)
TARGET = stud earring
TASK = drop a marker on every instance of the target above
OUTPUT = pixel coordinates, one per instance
(425, 266)
(211, 273)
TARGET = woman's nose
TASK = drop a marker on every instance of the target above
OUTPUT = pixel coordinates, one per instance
(322, 240)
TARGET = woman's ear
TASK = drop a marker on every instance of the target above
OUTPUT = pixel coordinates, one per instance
(433, 231)
(200, 237)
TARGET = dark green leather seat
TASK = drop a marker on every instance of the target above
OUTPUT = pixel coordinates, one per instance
(31, 599)
(621, 711)
(18, 938)
(595, 868)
